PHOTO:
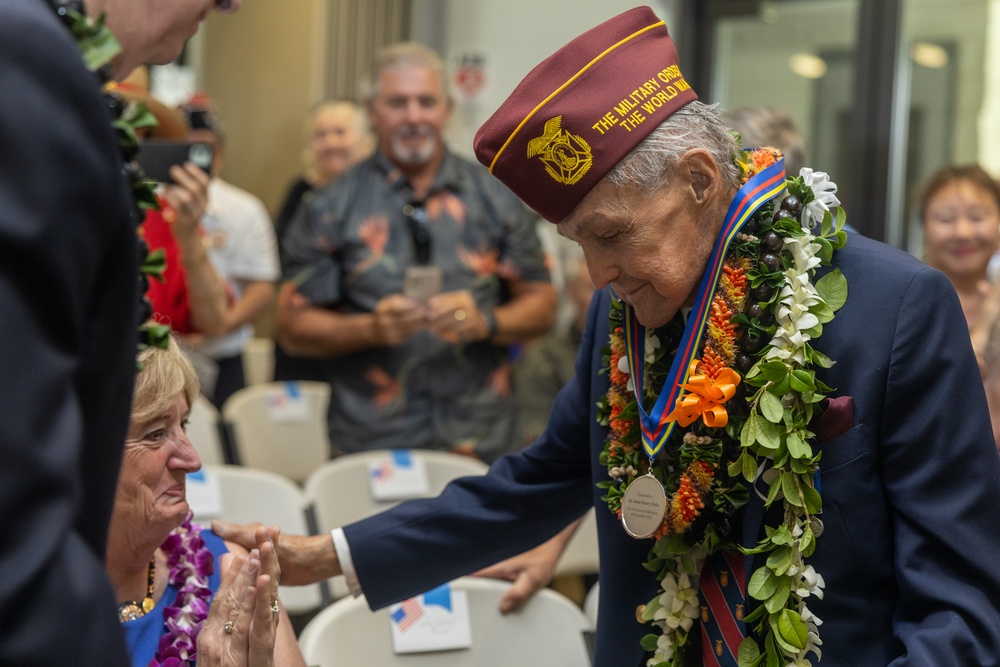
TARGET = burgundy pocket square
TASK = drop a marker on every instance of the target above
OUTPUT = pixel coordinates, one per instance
(837, 418)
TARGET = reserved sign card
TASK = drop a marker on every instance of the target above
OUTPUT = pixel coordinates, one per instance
(204, 494)
(435, 621)
(398, 476)
(288, 405)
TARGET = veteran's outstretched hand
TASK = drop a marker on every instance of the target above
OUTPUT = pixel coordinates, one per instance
(303, 559)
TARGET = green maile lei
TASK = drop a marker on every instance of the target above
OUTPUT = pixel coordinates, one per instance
(98, 47)
(766, 440)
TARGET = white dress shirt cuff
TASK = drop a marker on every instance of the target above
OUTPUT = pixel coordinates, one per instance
(343, 550)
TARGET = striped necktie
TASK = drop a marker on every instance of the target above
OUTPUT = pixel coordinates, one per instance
(723, 594)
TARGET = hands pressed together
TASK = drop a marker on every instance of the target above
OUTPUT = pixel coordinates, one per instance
(243, 618)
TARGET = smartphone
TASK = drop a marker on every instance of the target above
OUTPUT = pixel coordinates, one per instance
(422, 282)
(156, 156)
(302, 276)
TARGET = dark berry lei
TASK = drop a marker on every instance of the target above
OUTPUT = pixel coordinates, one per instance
(190, 562)
(765, 311)
(97, 48)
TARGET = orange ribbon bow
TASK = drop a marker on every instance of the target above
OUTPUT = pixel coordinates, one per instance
(705, 398)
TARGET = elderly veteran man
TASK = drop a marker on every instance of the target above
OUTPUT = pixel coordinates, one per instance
(809, 470)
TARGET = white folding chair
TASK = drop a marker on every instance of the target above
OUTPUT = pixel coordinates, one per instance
(580, 555)
(280, 426)
(340, 489)
(548, 630)
(249, 496)
(203, 431)
(341, 494)
(258, 361)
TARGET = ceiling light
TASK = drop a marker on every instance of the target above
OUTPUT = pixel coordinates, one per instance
(929, 54)
(808, 66)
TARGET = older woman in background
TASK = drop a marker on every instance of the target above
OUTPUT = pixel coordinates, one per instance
(337, 137)
(163, 568)
(960, 210)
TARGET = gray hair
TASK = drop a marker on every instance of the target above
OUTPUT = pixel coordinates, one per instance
(695, 125)
(404, 54)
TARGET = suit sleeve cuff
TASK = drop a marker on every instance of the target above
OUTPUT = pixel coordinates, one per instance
(343, 550)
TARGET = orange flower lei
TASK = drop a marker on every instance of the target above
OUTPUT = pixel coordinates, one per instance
(623, 452)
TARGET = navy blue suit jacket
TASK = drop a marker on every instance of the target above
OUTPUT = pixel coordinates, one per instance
(68, 310)
(911, 493)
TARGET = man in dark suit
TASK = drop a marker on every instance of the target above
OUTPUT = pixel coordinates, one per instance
(908, 476)
(68, 293)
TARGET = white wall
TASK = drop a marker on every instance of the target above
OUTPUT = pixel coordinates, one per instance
(989, 115)
(514, 36)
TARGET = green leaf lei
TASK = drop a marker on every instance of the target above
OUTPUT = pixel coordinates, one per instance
(98, 47)
(767, 439)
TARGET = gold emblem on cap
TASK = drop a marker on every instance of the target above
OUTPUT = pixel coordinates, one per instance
(566, 156)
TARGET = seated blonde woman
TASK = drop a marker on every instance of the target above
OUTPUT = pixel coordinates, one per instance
(164, 568)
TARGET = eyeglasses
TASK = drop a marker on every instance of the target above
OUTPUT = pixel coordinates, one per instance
(416, 218)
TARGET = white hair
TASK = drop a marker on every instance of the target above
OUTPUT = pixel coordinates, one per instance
(695, 125)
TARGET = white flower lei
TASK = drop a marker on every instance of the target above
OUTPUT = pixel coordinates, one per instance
(673, 611)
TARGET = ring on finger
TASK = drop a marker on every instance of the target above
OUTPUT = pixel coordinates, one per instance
(460, 315)
(228, 627)
(274, 606)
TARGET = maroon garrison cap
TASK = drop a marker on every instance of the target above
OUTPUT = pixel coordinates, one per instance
(579, 112)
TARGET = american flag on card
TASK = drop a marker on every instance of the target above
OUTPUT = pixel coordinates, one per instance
(408, 613)
(383, 471)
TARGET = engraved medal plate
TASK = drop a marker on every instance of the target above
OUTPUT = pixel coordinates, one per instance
(643, 506)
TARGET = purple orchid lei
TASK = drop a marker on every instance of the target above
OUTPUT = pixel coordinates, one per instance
(191, 564)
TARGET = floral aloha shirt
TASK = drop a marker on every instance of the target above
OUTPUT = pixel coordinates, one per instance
(351, 246)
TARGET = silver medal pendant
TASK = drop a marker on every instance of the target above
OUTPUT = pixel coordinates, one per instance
(643, 506)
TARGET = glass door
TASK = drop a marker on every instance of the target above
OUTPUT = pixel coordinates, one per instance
(797, 58)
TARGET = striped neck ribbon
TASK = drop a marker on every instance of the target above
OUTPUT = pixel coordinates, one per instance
(654, 426)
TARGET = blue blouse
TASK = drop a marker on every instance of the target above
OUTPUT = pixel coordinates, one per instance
(143, 634)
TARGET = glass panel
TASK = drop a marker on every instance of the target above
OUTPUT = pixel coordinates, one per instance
(797, 56)
(946, 55)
